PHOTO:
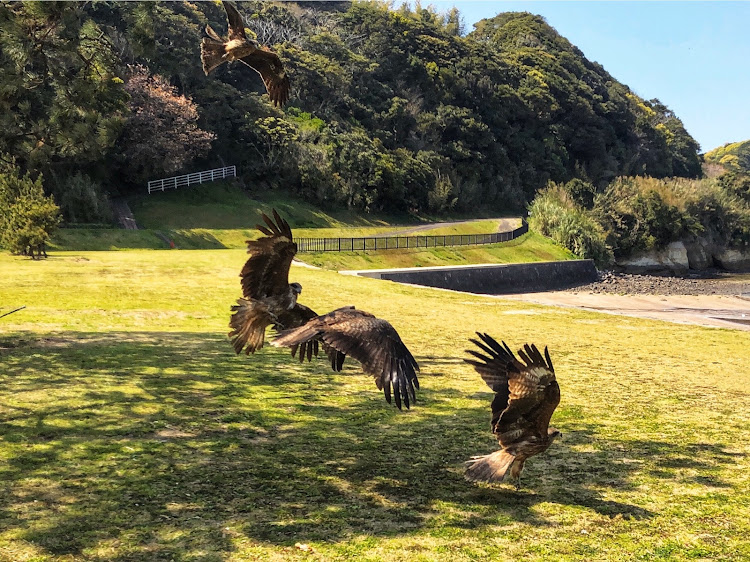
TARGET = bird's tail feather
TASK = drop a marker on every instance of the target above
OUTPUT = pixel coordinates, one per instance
(248, 322)
(489, 468)
(212, 54)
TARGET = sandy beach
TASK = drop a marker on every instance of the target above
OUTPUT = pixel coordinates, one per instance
(719, 311)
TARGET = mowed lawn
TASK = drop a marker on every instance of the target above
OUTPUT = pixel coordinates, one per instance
(129, 429)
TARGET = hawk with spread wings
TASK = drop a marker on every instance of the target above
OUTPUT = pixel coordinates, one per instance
(370, 340)
(268, 297)
(215, 51)
(526, 395)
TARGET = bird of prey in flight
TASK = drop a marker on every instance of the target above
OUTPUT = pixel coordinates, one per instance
(216, 51)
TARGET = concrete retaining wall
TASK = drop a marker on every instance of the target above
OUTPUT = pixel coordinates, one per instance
(492, 279)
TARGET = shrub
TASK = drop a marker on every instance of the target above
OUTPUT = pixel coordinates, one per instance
(553, 213)
(640, 214)
(82, 200)
(29, 217)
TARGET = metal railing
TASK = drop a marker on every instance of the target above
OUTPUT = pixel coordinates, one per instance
(190, 179)
(404, 242)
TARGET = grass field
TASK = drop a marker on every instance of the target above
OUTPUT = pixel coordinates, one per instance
(129, 430)
(528, 248)
(222, 216)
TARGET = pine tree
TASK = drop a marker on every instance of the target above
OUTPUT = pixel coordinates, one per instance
(28, 216)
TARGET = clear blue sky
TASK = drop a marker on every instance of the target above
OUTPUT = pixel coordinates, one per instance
(694, 56)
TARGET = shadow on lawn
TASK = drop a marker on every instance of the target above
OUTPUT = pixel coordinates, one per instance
(169, 444)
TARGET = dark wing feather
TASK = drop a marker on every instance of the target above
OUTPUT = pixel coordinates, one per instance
(371, 341)
(268, 65)
(534, 395)
(212, 34)
(235, 22)
(494, 367)
(294, 317)
(266, 272)
(527, 392)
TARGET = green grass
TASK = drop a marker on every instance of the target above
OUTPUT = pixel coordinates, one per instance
(222, 216)
(129, 430)
(530, 247)
(224, 205)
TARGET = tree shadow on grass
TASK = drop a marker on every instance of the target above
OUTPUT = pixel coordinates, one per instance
(170, 445)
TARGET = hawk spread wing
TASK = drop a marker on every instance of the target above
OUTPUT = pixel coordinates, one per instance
(268, 65)
(216, 51)
(266, 272)
(235, 22)
(526, 395)
(370, 340)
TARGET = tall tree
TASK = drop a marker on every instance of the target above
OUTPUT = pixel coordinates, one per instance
(62, 103)
(161, 135)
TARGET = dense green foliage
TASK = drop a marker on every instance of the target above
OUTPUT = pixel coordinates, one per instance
(391, 109)
(28, 217)
(555, 213)
(639, 213)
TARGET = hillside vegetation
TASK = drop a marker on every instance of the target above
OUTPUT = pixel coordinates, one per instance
(734, 156)
(639, 214)
(130, 430)
(391, 108)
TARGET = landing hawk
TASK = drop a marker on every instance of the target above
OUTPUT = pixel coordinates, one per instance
(526, 395)
(268, 297)
(370, 340)
(215, 51)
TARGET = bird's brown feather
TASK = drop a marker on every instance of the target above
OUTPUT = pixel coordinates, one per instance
(235, 22)
(266, 272)
(371, 341)
(215, 51)
(268, 297)
(269, 66)
(526, 395)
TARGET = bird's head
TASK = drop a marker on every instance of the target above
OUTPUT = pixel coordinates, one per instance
(553, 433)
(296, 288)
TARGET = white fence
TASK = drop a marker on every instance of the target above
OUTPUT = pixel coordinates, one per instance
(195, 177)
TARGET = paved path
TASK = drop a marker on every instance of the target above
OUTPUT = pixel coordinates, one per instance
(506, 225)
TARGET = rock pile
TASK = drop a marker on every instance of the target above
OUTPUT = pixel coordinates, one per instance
(633, 284)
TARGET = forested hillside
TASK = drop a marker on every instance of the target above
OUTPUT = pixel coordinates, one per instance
(391, 109)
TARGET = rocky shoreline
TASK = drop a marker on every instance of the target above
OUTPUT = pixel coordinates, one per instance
(702, 283)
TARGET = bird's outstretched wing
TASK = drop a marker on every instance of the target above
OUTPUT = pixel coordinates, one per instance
(271, 70)
(212, 34)
(294, 317)
(235, 22)
(266, 272)
(526, 392)
(371, 341)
